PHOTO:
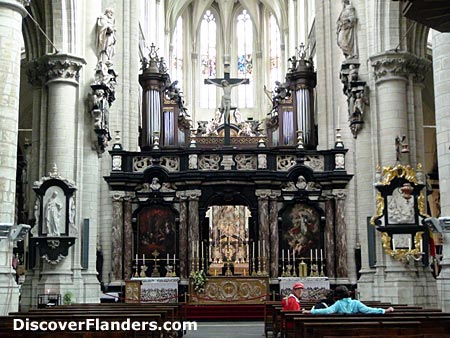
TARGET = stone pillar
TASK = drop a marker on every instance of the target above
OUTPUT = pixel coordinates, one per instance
(127, 237)
(341, 240)
(391, 72)
(11, 13)
(62, 111)
(441, 70)
(183, 236)
(193, 223)
(274, 240)
(263, 219)
(330, 250)
(117, 238)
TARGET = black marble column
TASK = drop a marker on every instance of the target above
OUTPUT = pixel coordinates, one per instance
(127, 238)
(330, 250)
(117, 237)
(183, 237)
(341, 240)
(274, 240)
(193, 224)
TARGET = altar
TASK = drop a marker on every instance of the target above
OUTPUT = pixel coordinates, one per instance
(151, 290)
(232, 289)
(316, 288)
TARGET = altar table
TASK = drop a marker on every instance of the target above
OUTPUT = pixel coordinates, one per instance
(232, 289)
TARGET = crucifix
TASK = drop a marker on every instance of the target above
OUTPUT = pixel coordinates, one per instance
(226, 83)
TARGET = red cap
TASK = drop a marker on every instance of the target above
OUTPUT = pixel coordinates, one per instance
(298, 285)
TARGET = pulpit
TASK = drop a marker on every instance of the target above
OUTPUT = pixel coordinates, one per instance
(316, 288)
(152, 290)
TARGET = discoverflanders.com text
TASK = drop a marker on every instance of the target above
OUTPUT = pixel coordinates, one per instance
(96, 324)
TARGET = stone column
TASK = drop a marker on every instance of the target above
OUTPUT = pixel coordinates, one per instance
(391, 72)
(117, 238)
(193, 223)
(441, 70)
(62, 111)
(330, 250)
(341, 240)
(263, 219)
(127, 237)
(274, 240)
(183, 236)
(11, 13)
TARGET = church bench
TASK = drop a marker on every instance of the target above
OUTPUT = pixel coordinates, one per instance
(268, 316)
(429, 322)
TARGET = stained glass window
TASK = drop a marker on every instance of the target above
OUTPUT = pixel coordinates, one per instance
(208, 52)
(177, 54)
(244, 34)
(275, 52)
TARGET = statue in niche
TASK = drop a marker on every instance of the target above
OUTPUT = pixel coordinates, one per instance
(346, 31)
(53, 215)
(301, 183)
(155, 185)
(106, 37)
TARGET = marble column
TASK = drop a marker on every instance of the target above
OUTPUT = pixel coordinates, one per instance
(273, 226)
(193, 224)
(263, 219)
(330, 245)
(117, 238)
(11, 14)
(183, 237)
(127, 237)
(441, 70)
(62, 110)
(340, 236)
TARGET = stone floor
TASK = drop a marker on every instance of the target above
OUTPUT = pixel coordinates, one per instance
(227, 330)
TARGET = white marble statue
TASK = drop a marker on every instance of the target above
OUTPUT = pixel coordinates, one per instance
(53, 211)
(106, 37)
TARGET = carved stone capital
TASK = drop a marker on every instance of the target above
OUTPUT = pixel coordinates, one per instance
(339, 194)
(263, 193)
(189, 194)
(117, 196)
(397, 65)
(62, 67)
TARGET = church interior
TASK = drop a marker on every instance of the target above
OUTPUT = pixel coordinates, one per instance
(215, 152)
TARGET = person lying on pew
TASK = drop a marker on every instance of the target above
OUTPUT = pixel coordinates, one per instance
(292, 302)
(346, 305)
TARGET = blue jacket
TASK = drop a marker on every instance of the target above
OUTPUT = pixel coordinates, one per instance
(348, 306)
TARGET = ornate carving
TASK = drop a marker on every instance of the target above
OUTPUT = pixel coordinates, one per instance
(63, 67)
(389, 173)
(245, 162)
(339, 161)
(380, 208)
(315, 162)
(171, 163)
(262, 161)
(399, 65)
(209, 162)
(117, 163)
(285, 162)
(54, 175)
(193, 158)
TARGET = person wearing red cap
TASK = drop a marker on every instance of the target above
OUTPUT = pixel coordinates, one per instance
(292, 302)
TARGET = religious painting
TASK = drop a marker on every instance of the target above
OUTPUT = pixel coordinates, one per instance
(156, 231)
(301, 231)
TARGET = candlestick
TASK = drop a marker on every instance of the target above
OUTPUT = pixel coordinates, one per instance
(393, 244)
(259, 248)
(203, 256)
(409, 243)
(137, 260)
(143, 258)
(174, 262)
(282, 255)
(253, 249)
(193, 250)
(310, 252)
(421, 245)
(321, 254)
(289, 258)
(167, 259)
(316, 255)
(210, 257)
(263, 248)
